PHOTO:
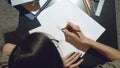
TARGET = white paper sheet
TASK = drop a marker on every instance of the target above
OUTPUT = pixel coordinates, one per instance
(17, 2)
(78, 3)
(58, 15)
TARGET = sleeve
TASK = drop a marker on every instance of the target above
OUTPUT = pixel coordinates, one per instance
(4, 60)
(113, 64)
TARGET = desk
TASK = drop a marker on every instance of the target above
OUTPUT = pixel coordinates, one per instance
(107, 20)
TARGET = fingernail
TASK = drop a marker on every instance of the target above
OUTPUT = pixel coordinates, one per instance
(63, 29)
(79, 52)
(82, 59)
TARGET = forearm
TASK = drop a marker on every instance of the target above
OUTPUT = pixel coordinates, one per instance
(78, 39)
(108, 52)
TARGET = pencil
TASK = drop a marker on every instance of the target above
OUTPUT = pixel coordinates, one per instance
(86, 6)
(72, 30)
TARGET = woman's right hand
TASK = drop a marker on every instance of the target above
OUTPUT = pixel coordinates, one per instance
(74, 36)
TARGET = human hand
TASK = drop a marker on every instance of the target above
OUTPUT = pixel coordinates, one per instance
(70, 60)
(8, 47)
(74, 36)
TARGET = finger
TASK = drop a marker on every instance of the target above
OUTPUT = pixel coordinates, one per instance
(70, 58)
(70, 27)
(70, 36)
(73, 26)
(79, 32)
(77, 64)
(78, 27)
(70, 31)
(74, 59)
(67, 33)
(69, 55)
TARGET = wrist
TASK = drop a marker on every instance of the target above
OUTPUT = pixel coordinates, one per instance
(88, 41)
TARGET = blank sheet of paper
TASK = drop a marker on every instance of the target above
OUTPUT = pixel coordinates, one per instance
(58, 15)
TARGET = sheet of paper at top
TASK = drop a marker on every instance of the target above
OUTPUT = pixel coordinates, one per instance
(58, 15)
(80, 4)
(17, 2)
(42, 2)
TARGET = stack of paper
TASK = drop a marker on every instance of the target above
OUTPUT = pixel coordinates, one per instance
(58, 15)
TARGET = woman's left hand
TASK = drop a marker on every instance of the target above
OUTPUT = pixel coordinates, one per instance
(70, 60)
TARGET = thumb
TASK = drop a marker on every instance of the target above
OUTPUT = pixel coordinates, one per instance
(65, 32)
